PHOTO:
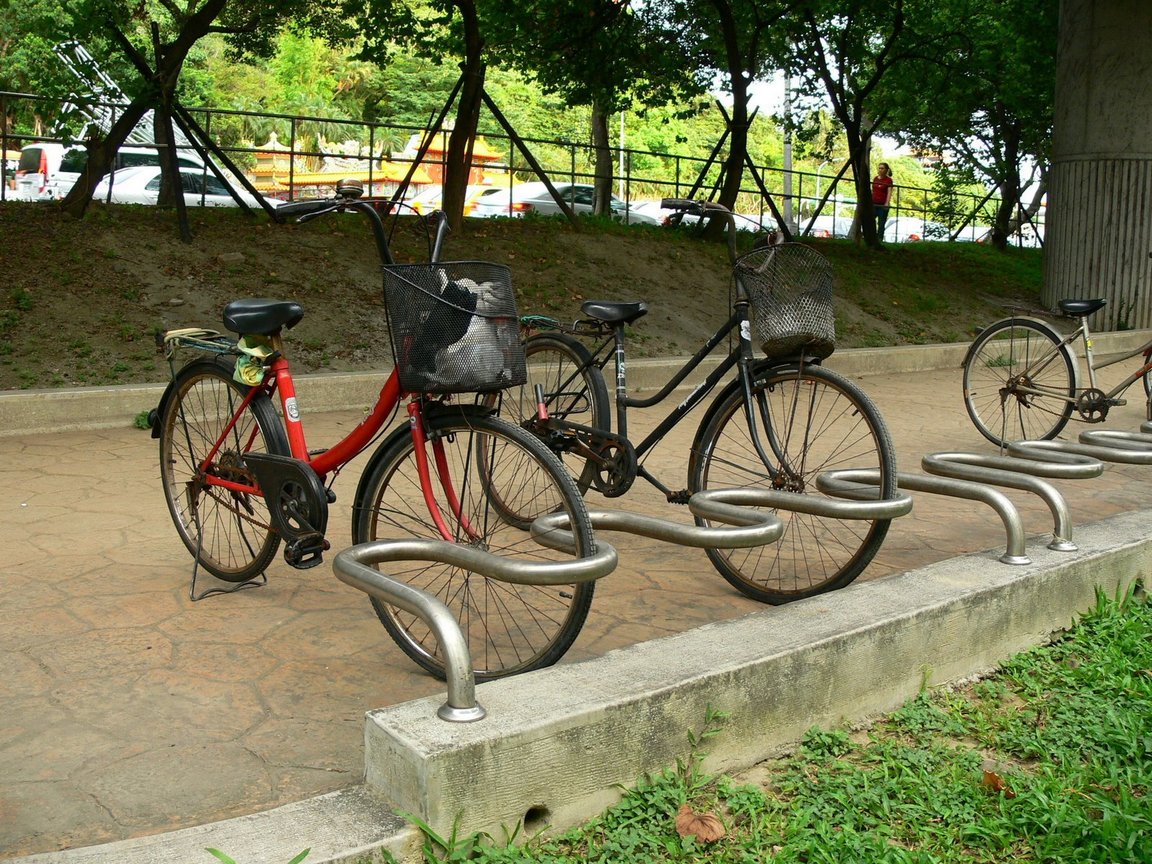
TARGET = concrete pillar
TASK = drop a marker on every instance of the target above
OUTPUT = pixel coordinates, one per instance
(1099, 221)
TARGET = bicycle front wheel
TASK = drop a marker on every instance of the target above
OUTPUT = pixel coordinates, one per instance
(484, 470)
(574, 392)
(816, 421)
(229, 532)
(1019, 382)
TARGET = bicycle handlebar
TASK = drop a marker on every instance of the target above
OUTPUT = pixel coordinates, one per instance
(347, 197)
(706, 210)
(689, 206)
(310, 207)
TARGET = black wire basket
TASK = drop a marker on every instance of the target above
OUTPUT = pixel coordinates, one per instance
(454, 327)
(790, 287)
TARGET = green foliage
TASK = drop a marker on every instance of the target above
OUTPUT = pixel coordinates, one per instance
(227, 860)
(21, 299)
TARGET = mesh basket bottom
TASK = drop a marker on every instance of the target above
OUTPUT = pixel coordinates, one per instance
(799, 343)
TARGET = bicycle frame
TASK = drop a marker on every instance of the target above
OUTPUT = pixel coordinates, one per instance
(278, 384)
(741, 356)
(1084, 335)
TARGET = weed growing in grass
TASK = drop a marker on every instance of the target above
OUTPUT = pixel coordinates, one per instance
(1049, 760)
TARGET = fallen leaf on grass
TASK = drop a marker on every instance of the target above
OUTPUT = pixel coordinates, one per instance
(995, 783)
(703, 826)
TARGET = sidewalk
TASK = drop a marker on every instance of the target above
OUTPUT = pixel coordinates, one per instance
(131, 710)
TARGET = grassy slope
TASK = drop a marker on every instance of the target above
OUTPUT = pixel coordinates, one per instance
(79, 301)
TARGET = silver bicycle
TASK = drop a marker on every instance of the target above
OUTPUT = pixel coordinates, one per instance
(1022, 383)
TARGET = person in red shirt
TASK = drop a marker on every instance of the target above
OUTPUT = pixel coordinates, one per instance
(881, 195)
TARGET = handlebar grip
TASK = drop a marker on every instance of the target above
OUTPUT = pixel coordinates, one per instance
(303, 208)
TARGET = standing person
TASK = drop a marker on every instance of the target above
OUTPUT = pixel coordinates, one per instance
(881, 195)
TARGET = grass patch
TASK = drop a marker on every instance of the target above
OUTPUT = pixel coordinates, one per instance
(1048, 760)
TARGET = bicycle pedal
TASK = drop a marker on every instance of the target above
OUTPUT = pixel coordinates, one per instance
(306, 552)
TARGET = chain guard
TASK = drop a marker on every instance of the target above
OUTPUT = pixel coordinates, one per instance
(298, 503)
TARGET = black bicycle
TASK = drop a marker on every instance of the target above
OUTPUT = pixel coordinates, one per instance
(778, 424)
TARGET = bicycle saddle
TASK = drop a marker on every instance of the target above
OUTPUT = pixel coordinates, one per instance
(1078, 308)
(261, 315)
(611, 312)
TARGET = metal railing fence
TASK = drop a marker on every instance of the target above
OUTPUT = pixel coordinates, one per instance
(820, 203)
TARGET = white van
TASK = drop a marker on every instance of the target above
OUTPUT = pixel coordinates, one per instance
(47, 170)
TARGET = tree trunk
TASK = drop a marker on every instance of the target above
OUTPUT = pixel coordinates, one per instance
(458, 160)
(101, 154)
(603, 170)
(1009, 194)
(859, 147)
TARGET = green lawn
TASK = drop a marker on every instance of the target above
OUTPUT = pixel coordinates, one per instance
(1049, 760)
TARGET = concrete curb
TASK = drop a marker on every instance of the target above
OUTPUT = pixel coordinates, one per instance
(560, 740)
(26, 412)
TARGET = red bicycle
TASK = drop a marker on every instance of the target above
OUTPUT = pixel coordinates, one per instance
(239, 476)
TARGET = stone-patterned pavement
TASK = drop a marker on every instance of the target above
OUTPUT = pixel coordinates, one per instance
(129, 709)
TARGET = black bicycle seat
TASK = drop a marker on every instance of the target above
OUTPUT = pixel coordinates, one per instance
(260, 315)
(1079, 308)
(613, 312)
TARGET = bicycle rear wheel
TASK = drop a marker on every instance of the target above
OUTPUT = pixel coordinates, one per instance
(230, 533)
(574, 392)
(1010, 355)
(819, 422)
(493, 469)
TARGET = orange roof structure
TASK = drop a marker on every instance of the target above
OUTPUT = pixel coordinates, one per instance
(273, 171)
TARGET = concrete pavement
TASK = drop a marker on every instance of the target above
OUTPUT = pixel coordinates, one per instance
(130, 710)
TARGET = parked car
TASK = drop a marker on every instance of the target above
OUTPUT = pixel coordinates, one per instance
(535, 198)
(913, 229)
(48, 170)
(828, 226)
(141, 185)
(429, 199)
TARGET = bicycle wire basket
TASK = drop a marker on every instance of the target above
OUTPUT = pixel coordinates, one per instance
(790, 288)
(454, 327)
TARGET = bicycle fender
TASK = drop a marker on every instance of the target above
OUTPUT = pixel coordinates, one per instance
(431, 410)
(759, 368)
(1039, 324)
(156, 413)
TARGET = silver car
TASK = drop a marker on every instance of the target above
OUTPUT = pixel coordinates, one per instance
(535, 198)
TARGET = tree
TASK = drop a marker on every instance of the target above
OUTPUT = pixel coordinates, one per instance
(171, 29)
(990, 110)
(844, 51)
(594, 54)
(739, 41)
(434, 29)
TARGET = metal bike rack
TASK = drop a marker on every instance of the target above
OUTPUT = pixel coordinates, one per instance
(353, 568)
(732, 506)
(743, 527)
(972, 476)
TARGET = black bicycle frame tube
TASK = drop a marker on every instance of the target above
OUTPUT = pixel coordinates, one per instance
(623, 401)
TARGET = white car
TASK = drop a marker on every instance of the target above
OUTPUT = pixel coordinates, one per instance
(535, 198)
(141, 185)
(48, 170)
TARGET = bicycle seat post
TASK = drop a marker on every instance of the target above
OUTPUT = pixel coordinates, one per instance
(1089, 360)
(619, 358)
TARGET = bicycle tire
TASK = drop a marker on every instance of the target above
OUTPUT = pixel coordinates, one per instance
(821, 421)
(574, 392)
(229, 533)
(509, 628)
(998, 359)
